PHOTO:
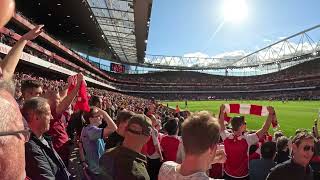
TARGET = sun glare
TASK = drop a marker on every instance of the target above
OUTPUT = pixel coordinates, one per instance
(235, 10)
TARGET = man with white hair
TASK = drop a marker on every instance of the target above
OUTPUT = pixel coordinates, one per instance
(43, 161)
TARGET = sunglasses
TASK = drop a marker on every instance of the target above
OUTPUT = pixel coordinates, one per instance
(308, 148)
(26, 133)
(145, 133)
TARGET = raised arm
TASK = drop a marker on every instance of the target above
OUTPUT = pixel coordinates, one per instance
(65, 103)
(267, 123)
(111, 125)
(63, 92)
(11, 60)
(221, 117)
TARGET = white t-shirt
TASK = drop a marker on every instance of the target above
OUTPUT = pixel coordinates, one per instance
(168, 171)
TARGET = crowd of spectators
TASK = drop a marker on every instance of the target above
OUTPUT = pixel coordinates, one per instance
(301, 71)
(276, 95)
(123, 137)
(271, 86)
(300, 76)
(116, 140)
(9, 40)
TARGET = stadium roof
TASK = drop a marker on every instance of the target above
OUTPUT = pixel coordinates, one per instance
(125, 25)
(301, 46)
(116, 30)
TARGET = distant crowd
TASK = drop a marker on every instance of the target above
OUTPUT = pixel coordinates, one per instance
(123, 137)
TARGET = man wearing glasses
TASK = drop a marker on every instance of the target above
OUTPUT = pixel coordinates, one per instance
(126, 161)
(13, 136)
(43, 161)
(298, 167)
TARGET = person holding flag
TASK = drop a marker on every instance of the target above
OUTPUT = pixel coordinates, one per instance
(57, 129)
(237, 143)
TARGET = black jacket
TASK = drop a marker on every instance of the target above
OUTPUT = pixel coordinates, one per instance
(282, 156)
(43, 162)
(289, 170)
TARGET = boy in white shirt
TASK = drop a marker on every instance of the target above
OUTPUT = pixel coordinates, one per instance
(200, 135)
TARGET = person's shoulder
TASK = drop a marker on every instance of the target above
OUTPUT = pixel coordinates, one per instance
(168, 167)
(34, 142)
(109, 154)
(93, 129)
(279, 171)
(281, 166)
(251, 136)
(31, 145)
(170, 164)
(84, 130)
(113, 135)
(112, 151)
(90, 127)
(254, 162)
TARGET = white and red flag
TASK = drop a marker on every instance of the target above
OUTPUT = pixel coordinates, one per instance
(249, 109)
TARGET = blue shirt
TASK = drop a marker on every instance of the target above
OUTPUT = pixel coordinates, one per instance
(93, 145)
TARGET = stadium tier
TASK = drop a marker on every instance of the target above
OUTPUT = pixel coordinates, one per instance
(303, 78)
(80, 98)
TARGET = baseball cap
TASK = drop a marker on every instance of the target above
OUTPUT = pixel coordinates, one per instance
(143, 121)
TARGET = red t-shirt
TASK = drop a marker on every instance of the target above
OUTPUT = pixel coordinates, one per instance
(253, 156)
(216, 171)
(169, 146)
(58, 132)
(237, 151)
(315, 159)
(151, 146)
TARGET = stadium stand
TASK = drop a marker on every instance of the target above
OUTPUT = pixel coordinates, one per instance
(199, 143)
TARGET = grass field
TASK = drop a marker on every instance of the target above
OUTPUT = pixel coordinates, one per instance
(291, 115)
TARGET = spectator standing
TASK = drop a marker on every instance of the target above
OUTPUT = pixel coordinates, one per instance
(92, 138)
(170, 142)
(57, 126)
(96, 101)
(43, 161)
(298, 167)
(200, 154)
(117, 137)
(260, 168)
(153, 149)
(237, 144)
(283, 151)
(126, 161)
(31, 88)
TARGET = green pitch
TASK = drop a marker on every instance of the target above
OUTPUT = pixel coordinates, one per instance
(292, 115)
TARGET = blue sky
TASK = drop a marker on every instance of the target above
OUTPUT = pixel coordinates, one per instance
(180, 27)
